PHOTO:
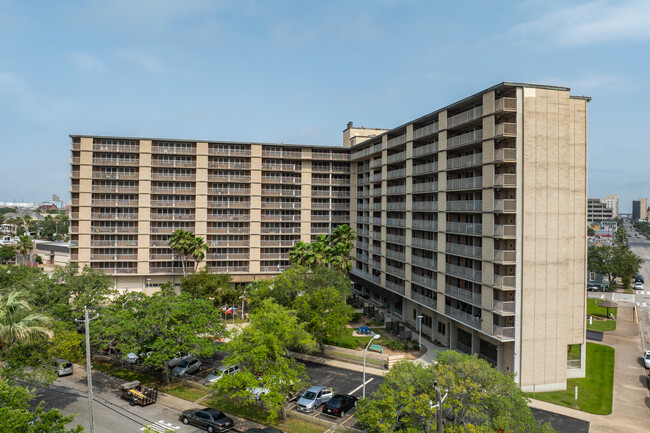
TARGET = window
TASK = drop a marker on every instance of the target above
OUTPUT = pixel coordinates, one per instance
(427, 321)
(441, 328)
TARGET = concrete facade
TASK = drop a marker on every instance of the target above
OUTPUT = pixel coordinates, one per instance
(611, 200)
(598, 210)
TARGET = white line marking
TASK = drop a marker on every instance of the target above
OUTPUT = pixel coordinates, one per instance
(361, 386)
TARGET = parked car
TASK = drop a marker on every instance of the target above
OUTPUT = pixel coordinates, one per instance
(639, 278)
(220, 372)
(592, 288)
(186, 367)
(646, 359)
(62, 367)
(314, 397)
(638, 285)
(180, 357)
(340, 404)
(212, 420)
(263, 430)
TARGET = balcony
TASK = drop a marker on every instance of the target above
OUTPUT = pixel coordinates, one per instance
(464, 117)
(230, 177)
(166, 270)
(280, 230)
(229, 229)
(398, 272)
(232, 165)
(279, 192)
(289, 205)
(394, 287)
(167, 257)
(396, 222)
(461, 316)
(505, 180)
(424, 281)
(270, 217)
(115, 216)
(425, 206)
(505, 231)
(505, 104)
(115, 188)
(227, 151)
(396, 157)
(181, 177)
(397, 189)
(171, 217)
(466, 183)
(124, 162)
(173, 203)
(227, 217)
(362, 245)
(473, 160)
(505, 129)
(394, 174)
(223, 269)
(123, 175)
(425, 187)
(503, 306)
(113, 257)
(504, 281)
(396, 255)
(425, 130)
(394, 205)
(116, 229)
(465, 139)
(424, 262)
(116, 270)
(366, 276)
(276, 153)
(288, 179)
(431, 167)
(173, 150)
(276, 243)
(463, 272)
(425, 244)
(115, 243)
(465, 228)
(464, 250)
(505, 256)
(168, 230)
(119, 203)
(173, 163)
(133, 148)
(424, 300)
(397, 141)
(464, 206)
(425, 225)
(230, 256)
(463, 294)
(505, 205)
(172, 190)
(427, 149)
(375, 263)
(504, 333)
(395, 239)
(505, 155)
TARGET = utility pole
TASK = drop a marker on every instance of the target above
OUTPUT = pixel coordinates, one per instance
(438, 406)
(88, 368)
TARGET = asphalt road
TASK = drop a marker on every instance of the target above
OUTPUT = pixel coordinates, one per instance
(641, 247)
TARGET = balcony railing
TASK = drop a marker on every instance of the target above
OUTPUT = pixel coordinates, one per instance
(463, 294)
(427, 149)
(424, 281)
(465, 205)
(173, 203)
(505, 104)
(464, 250)
(227, 217)
(430, 167)
(396, 222)
(117, 229)
(125, 162)
(174, 150)
(505, 256)
(113, 257)
(505, 155)
(464, 139)
(220, 151)
(505, 130)
(505, 180)
(464, 117)
(126, 175)
(425, 225)
(233, 165)
(173, 190)
(504, 333)
(425, 130)
(288, 205)
(395, 239)
(505, 281)
(463, 272)
(394, 287)
(229, 178)
(282, 192)
(425, 244)
(115, 216)
(397, 189)
(116, 147)
(505, 231)
(424, 300)
(171, 217)
(503, 306)
(424, 262)
(393, 174)
(465, 161)
(166, 269)
(468, 319)
(290, 179)
(396, 141)
(398, 272)
(120, 203)
(466, 183)
(173, 163)
(425, 187)
(505, 205)
(465, 228)
(223, 269)
(425, 206)
(396, 157)
(237, 230)
(276, 230)
(396, 255)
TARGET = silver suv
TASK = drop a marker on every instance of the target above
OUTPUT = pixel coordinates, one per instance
(62, 367)
(220, 372)
(314, 397)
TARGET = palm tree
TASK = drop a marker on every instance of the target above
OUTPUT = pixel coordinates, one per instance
(299, 252)
(181, 243)
(25, 246)
(345, 235)
(17, 325)
(198, 250)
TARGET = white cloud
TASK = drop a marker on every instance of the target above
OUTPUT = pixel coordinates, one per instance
(86, 62)
(590, 23)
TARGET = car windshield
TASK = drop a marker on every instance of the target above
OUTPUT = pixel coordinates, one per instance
(183, 364)
(336, 401)
(216, 414)
(647, 355)
(309, 395)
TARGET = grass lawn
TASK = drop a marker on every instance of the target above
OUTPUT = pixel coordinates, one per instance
(183, 391)
(293, 425)
(600, 325)
(595, 390)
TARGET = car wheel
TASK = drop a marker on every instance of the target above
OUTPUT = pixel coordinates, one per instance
(210, 429)
(185, 420)
(132, 402)
(342, 414)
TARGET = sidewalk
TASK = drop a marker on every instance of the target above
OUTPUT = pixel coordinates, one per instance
(631, 400)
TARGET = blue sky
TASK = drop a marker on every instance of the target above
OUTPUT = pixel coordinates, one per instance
(298, 71)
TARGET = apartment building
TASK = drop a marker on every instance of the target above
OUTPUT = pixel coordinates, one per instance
(611, 201)
(251, 202)
(640, 209)
(473, 217)
(597, 210)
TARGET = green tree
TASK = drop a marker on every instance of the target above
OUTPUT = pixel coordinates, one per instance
(18, 325)
(17, 417)
(214, 287)
(591, 231)
(181, 244)
(261, 350)
(613, 261)
(621, 235)
(25, 247)
(479, 399)
(163, 324)
(198, 249)
(333, 250)
(7, 253)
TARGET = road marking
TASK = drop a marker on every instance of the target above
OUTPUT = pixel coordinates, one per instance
(161, 426)
(361, 386)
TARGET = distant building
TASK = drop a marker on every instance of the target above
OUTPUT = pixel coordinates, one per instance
(640, 209)
(597, 210)
(611, 201)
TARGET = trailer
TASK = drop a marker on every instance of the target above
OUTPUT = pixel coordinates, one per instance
(138, 394)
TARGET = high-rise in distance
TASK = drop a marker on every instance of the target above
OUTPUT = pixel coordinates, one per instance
(472, 217)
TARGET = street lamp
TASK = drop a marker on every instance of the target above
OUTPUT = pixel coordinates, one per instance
(420, 336)
(374, 337)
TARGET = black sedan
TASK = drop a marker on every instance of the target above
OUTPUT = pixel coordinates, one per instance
(339, 404)
(212, 420)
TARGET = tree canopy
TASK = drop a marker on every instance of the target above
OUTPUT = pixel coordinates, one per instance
(215, 287)
(327, 250)
(479, 399)
(613, 261)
